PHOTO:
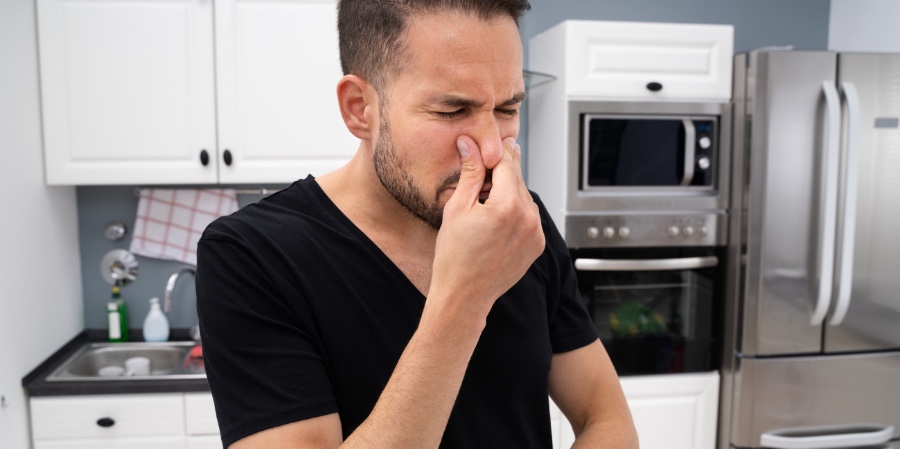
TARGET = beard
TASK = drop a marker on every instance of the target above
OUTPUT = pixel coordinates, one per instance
(401, 185)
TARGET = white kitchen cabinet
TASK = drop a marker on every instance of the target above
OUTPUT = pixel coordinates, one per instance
(151, 421)
(189, 91)
(201, 426)
(277, 71)
(127, 91)
(204, 442)
(674, 411)
(605, 60)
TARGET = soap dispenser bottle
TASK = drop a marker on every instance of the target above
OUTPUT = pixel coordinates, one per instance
(117, 317)
(156, 326)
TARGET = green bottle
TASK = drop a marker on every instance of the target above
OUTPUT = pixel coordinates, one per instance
(117, 317)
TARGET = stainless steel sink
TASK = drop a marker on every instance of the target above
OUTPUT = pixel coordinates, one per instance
(169, 360)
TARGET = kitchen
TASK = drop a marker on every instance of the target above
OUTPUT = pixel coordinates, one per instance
(57, 237)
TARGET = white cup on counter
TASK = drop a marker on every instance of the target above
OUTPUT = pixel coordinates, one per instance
(138, 366)
(111, 371)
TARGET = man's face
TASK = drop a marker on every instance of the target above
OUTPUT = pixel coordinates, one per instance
(464, 77)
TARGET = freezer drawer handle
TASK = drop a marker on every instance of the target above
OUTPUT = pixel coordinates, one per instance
(827, 437)
(684, 263)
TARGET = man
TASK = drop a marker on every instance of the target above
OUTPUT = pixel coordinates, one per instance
(418, 297)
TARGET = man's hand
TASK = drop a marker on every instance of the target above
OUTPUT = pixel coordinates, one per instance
(482, 250)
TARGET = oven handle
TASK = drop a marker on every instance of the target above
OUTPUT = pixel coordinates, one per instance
(682, 263)
(690, 136)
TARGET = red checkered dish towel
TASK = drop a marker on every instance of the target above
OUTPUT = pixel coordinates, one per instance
(170, 221)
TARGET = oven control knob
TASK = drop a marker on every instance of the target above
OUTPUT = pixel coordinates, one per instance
(705, 142)
(624, 232)
(704, 231)
(674, 231)
(593, 232)
(703, 163)
(688, 231)
(609, 232)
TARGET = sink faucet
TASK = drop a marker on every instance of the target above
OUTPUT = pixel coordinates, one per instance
(170, 290)
(170, 285)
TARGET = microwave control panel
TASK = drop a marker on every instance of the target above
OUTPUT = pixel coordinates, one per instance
(645, 230)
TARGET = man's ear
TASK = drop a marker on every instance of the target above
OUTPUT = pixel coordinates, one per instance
(356, 98)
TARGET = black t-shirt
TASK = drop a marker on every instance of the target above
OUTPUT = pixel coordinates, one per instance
(303, 315)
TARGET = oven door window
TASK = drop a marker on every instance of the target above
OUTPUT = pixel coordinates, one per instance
(656, 321)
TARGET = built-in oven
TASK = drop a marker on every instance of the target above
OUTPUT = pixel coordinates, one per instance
(657, 310)
(639, 191)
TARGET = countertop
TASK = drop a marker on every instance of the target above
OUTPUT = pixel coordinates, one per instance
(35, 383)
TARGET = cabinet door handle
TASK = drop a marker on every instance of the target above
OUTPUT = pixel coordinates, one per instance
(227, 157)
(106, 422)
(654, 86)
(204, 158)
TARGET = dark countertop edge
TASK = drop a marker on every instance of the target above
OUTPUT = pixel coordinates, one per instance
(36, 385)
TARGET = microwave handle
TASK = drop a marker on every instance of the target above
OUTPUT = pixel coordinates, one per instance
(681, 263)
(690, 136)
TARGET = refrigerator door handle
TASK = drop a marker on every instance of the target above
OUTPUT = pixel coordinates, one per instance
(684, 263)
(828, 202)
(848, 233)
(827, 437)
(690, 135)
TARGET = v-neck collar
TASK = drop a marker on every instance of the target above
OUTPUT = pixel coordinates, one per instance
(364, 239)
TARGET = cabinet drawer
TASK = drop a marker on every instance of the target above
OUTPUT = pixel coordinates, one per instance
(131, 416)
(115, 443)
(204, 442)
(200, 414)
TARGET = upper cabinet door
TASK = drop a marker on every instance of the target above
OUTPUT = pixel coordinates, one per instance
(128, 91)
(277, 71)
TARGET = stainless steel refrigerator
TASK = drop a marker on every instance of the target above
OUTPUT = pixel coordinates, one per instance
(812, 350)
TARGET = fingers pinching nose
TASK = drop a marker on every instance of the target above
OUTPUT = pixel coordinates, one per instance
(463, 147)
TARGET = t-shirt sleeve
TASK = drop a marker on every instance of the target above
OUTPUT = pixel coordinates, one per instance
(262, 357)
(571, 326)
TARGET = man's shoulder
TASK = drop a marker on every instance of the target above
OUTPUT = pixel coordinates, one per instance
(290, 210)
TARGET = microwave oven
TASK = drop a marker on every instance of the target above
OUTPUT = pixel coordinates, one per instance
(633, 173)
(647, 156)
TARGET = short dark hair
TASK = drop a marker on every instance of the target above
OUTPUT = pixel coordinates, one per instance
(371, 32)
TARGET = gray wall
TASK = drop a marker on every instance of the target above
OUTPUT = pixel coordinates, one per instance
(802, 23)
(97, 207)
(757, 23)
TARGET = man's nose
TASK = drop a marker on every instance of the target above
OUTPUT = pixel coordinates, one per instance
(487, 136)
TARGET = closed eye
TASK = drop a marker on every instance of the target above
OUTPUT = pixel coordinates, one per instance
(450, 115)
(508, 112)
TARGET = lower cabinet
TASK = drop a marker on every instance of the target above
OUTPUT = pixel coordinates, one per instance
(676, 411)
(139, 421)
(673, 411)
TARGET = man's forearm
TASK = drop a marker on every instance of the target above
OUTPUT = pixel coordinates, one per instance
(607, 434)
(413, 410)
(606, 437)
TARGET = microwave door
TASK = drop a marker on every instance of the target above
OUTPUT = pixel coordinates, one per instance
(626, 152)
